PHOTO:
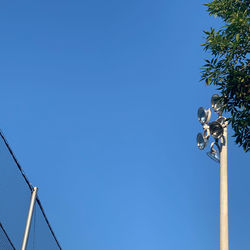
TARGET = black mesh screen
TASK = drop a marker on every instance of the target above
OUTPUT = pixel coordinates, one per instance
(5, 242)
(15, 194)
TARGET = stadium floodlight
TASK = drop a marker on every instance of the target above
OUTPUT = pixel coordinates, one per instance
(201, 141)
(204, 115)
(213, 153)
(218, 153)
(216, 129)
(217, 104)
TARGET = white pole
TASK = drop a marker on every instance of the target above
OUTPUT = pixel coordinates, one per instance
(223, 193)
(29, 218)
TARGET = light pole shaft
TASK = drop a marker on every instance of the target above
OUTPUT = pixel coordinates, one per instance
(223, 194)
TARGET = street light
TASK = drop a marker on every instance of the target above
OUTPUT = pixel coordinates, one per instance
(218, 130)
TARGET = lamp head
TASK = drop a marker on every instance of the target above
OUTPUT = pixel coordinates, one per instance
(213, 153)
(216, 129)
(217, 104)
(201, 141)
(214, 156)
(204, 115)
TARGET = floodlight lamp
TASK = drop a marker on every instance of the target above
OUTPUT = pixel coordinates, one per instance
(217, 104)
(213, 153)
(214, 156)
(201, 141)
(204, 115)
(216, 129)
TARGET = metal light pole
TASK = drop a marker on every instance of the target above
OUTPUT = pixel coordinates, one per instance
(223, 193)
(218, 130)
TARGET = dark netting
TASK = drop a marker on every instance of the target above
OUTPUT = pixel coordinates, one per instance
(5, 242)
(15, 194)
(40, 237)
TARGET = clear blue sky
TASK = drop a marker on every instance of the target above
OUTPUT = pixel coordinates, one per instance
(98, 100)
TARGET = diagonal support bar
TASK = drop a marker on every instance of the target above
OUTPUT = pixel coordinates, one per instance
(29, 218)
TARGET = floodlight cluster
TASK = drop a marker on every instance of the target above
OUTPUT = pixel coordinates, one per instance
(215, 128)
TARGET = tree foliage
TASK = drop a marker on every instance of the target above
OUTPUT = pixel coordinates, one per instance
(229, 65)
